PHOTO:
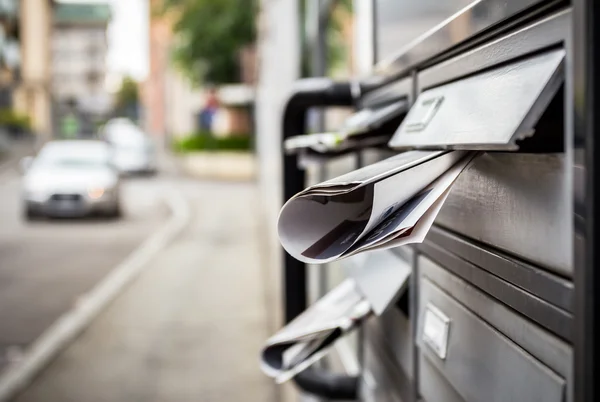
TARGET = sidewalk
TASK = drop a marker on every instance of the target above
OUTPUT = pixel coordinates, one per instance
(11, 151)
(229, 166)
(190, 328)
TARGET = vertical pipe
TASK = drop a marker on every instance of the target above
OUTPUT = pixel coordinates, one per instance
(314, 93)
(586, 36)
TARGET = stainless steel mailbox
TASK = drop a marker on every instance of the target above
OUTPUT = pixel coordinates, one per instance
(492, 354)
(490, 110)
(518, 203)
(492, 312)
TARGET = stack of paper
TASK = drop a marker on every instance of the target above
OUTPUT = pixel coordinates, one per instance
(308, 338)
(387, 204)
(358, 131)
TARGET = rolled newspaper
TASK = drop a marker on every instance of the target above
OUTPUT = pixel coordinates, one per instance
(387, 204)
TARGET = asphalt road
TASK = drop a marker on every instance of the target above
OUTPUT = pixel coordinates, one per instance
(46, 266)
(190, 327)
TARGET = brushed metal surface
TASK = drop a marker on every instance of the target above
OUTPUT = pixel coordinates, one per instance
(519, 203)
(399, 23)
(544, 346)
(383, 379)
(401, 89)
(491, 110)
(548, 316)
(434, 387)
(541, 283)
(393, 332)
(409, 32)
(482, 364)
(553, 30)
(381, 276)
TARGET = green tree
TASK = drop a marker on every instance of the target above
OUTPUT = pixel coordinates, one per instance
(127, 94)
(127, 98)
(210, 35)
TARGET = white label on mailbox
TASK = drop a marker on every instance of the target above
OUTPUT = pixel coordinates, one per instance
(422, 113)
(435, 330)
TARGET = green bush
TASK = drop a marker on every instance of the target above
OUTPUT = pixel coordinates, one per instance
(14, 120)
(206, 142)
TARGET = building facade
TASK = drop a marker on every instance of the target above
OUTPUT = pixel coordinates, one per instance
(32, 93)
(172, 104)
(170, 101)
(9, 50)
(79, 50)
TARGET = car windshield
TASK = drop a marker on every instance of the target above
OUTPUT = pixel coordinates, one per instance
(74, 156)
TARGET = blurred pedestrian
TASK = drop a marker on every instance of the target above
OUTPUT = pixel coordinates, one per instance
(207, 113)
(69, 126)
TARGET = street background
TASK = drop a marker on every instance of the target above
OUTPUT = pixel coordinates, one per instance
(173, 299)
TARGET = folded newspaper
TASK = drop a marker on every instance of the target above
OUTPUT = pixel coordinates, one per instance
(387, 204)
(357, 131)
(309, 337)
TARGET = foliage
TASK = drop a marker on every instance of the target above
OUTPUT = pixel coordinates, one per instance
(14, 120)
(204, 141)
(337, 50)
(210, 35)
(127, 95)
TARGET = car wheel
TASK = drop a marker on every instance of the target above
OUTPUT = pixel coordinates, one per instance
(115, 212)
(31, 214)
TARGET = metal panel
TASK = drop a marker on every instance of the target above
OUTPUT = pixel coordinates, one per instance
(519, 203)
(398, 23)
(393, 332)
(548, 316)
(462, 115)
(382, 381)
(401, 89)
(537, 281)
(433, 387)
(545, 33)
(551, 351)
(481, 363)
(380, 276)
(440, 25)
(584, 102)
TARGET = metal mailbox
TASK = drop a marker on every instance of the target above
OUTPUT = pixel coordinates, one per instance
(490, 312)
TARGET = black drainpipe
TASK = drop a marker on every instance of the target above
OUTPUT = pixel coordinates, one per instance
(311, 92)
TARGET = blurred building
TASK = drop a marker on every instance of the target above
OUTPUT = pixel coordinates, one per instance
(172, 105)
(9, 50)
(79, 49)
(170, 102)
(32, 93)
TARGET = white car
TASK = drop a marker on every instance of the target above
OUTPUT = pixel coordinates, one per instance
(134, 151)
(70, 179)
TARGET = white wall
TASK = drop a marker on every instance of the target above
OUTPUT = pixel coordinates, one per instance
(182, 103)
(32, 96)
(363, 37)
(279, 67)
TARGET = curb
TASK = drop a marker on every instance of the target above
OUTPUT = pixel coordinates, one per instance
(10, 162)
(218, 166)
(66, 328)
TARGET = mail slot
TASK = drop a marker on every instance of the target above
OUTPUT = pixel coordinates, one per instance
(369, 127)
(499, 107)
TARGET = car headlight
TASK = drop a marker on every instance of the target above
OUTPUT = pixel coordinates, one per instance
(96, 192)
